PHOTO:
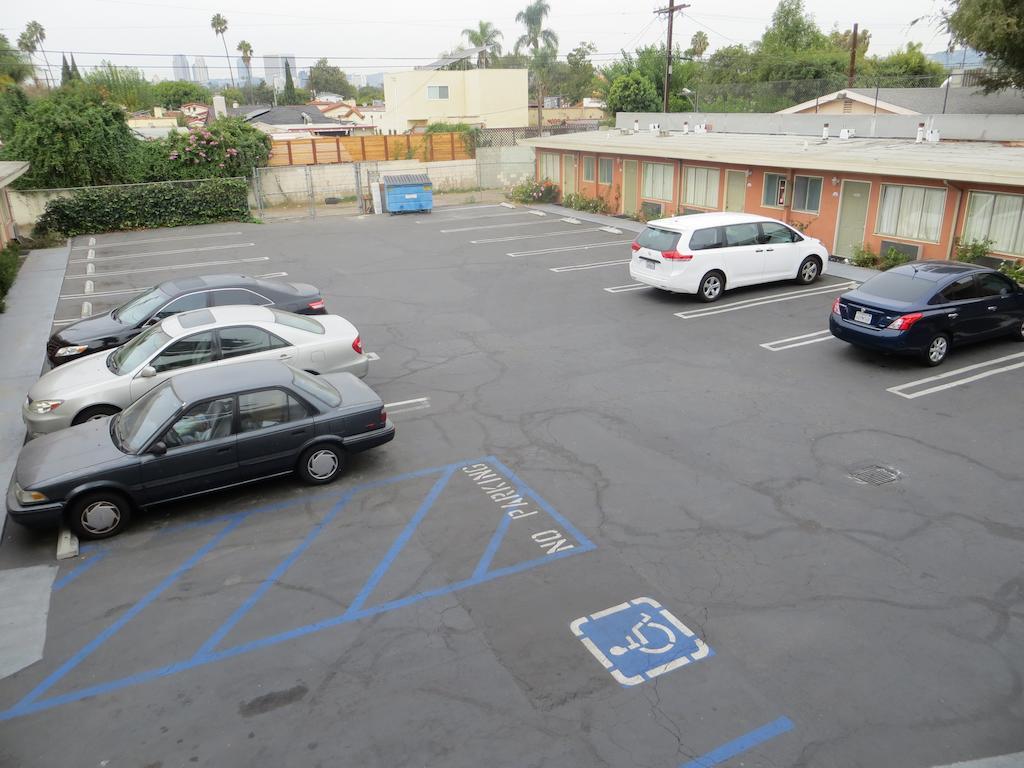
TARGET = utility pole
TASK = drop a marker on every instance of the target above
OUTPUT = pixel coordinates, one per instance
(671, 12)
(853, 57)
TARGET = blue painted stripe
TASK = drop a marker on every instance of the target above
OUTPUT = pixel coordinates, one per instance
(742, 744)
(401, 541)
(79, 569)
(492, 546)
(128, 615)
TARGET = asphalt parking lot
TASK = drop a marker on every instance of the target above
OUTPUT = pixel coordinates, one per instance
(616, 527)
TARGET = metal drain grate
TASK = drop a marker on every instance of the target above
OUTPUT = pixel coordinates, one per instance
(876, 475)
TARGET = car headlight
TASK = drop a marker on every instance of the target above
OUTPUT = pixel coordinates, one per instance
(44, 406)
(28, 497)
(71, 351)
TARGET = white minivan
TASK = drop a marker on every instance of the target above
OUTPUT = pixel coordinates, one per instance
(708, 253)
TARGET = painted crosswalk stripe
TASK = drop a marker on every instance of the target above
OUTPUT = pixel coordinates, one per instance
(910, 390)
(734, 306)
(565, 248)
(798, 341)
(592, 265)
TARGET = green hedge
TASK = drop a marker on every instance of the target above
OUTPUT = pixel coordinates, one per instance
(10, 258)
(144, 206)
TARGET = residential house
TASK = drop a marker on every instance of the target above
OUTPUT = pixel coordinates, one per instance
(912, 101)
(301, 118)
(490, 98)
(196, 114)
(918, 193)
(155, 125)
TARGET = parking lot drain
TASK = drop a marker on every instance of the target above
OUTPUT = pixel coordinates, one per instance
(876, 475)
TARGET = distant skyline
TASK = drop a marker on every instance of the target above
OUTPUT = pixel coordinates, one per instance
(402, 34)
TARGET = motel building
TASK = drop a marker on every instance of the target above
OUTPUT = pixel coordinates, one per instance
(919, 184)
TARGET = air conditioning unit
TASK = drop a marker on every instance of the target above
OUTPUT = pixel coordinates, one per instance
(911, 251)
(651, 210)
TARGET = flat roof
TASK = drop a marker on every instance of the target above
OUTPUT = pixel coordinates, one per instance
(10, 170)
(984, 162)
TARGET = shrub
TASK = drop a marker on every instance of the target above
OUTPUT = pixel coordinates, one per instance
(970, 251)
(142, 206)
(530, 191)
(580, 202)
(10, 259)
(1013, 269)
(863, 256)
(893, 258)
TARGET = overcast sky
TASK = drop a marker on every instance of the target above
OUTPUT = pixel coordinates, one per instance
(370, 37)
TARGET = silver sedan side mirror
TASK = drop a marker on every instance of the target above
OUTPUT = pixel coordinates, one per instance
(148, 372)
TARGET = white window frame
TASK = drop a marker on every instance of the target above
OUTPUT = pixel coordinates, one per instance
(658, 181)
(593, 169)
(1018, 235)
(792, 194)
(895, 234)
(775, 195)
(611, 171)
(549, 161)
(437, 92)
(706, 200)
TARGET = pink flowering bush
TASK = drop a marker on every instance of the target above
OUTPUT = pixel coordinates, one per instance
(530, 191)
(227, 147)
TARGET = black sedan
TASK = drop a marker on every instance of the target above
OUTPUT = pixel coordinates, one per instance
(114, 328)
(195, 433)
(926, 307)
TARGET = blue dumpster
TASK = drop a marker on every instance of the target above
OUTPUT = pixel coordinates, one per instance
(408, 192)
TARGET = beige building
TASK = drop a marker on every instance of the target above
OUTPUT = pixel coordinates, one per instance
(490, 98)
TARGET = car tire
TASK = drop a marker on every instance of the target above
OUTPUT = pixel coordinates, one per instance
(809, 271)
(99, 515)
(1018, 330)
(321, 464)
(935, 350)
(712, 285)
(96, 412)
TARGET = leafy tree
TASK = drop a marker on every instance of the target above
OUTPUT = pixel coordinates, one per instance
(699, 44)
(995, 28)
(31, 40)
(485, 36)
(72, 138)
(65, 70)
(842, 40)
(126, 86)
(16, 67)
(288, 93)
(233, 95)
(908, 63)
(219, 25)
(171, 94)
(245, 48)
(13, 106)
(581, 77)
(263, 93)
(368, 93)
(792, 29)
(632, 93)
(324, 78)
(226, 147)
(650, 62)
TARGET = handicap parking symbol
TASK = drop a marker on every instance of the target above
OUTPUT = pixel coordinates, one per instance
(639, 640)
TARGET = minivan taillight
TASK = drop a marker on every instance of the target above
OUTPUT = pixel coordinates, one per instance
(357, 345)
(676, 256)
(635, 246)
(316, 306)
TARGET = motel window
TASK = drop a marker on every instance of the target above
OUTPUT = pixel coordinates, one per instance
(549, 166)
(437, 92)
(658, 181)
(604, 170)
(807, 193)
(774, 190)
(999, 218)
(700, 187)
(911, 212)
(588, 168)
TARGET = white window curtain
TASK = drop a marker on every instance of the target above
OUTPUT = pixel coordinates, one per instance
(549, 166)
(911, 212)
(658, 181)
(999, 218)
(700, 187)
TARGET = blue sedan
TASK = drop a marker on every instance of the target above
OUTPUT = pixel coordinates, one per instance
(926, 307)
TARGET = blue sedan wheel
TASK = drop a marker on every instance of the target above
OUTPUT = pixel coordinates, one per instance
(99, 515)
(936, 350)
(320, 464)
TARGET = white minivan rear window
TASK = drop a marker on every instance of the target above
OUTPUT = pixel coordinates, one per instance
(658, 239)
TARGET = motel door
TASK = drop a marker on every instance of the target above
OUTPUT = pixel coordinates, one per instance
(629, 179)
(568, 175)
(853, 216)
(735, 190)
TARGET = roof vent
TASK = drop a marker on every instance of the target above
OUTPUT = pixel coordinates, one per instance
(933, 136)
(847, 133)
(686, 126)
(700, 128)
(653, 127)
(824, 132)
(664, 133)
(920, 133)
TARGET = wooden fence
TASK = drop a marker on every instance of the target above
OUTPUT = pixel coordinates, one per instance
(427, 147)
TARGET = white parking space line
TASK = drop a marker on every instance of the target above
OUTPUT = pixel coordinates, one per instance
(406, 406)
(164, 253)
(566, 248)
(174, 266)
(734, 306)
(902, 389)
(120, 243)
(481, 216)
(509, 238)
(628, 287)
(84, 295)
(67, 322)
(592, 265)
(798, 341)
(496, 226)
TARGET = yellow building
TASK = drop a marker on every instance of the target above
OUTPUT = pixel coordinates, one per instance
(490, 98)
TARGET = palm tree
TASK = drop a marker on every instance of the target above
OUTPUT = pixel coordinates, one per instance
(245, 48)
(536, 37)
(14, 68)
(219, 25)
(34, 36)
(28, 46)
(698, 44)
(485, 36)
